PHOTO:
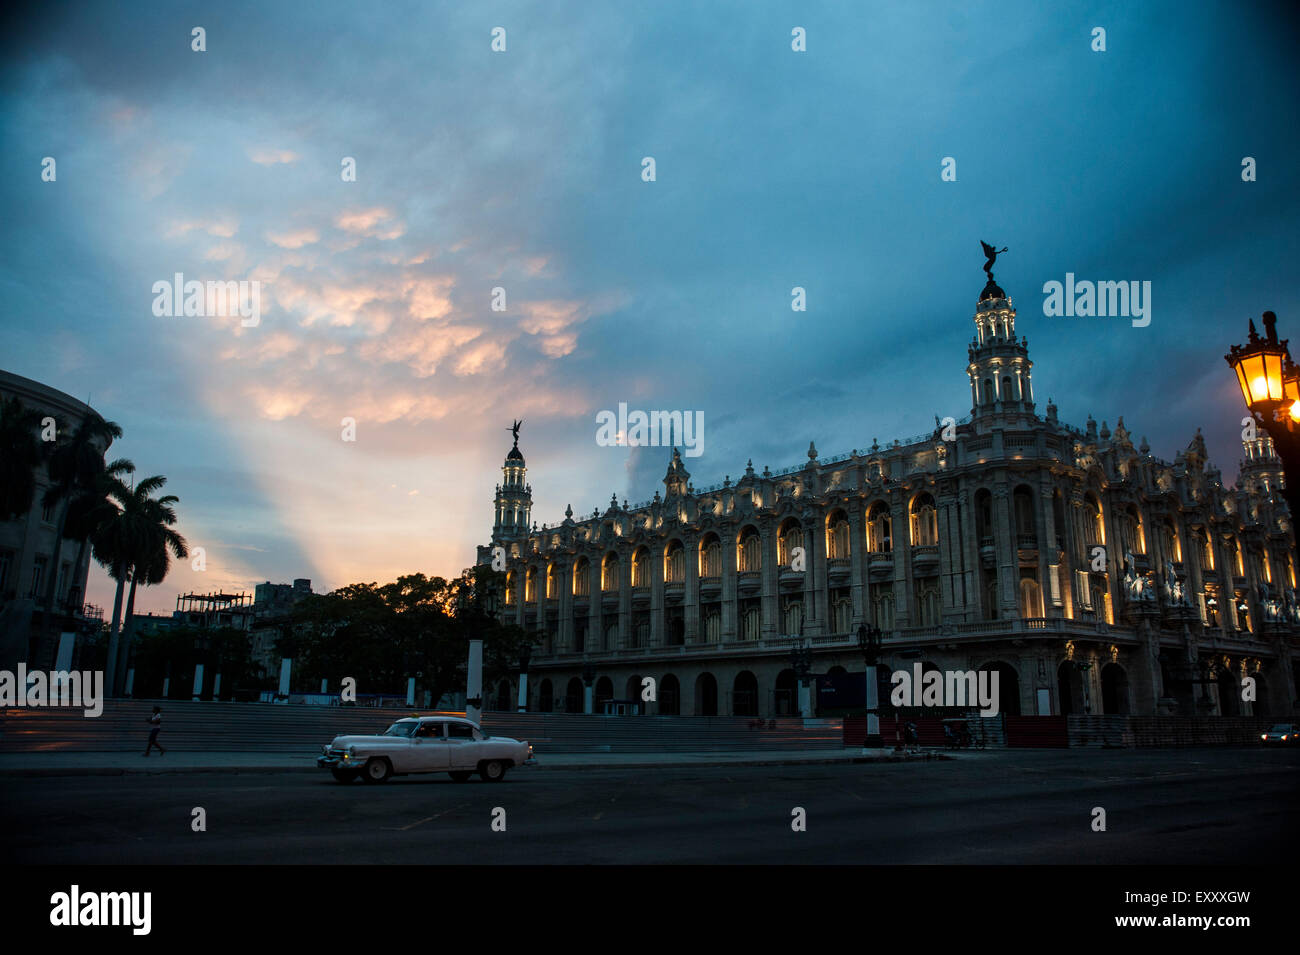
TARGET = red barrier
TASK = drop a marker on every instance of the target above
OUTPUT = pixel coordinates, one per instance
(1038, 731)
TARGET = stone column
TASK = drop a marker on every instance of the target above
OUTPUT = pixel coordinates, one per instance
(727, 539)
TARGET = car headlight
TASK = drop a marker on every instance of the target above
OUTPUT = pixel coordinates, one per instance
(1263, 736)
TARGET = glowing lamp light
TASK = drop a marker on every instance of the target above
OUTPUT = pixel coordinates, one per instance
(1259, 368)
(1291, 390)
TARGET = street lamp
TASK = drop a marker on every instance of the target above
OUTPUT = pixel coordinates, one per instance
(1270, 386)
(801, 661)
(1258, 365)
(588, 677)
(869, 642)
(525, 655)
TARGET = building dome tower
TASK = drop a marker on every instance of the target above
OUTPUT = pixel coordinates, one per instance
(999, 365)
(514, 499)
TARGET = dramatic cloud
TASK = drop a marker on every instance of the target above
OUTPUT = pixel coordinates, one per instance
(498, 254)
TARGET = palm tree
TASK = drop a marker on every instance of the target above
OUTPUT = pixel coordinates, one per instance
(21, 453)
(95, 508)
(113, 534)
(76, 465)
(145, 548)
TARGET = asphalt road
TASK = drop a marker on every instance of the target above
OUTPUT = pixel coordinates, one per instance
(1226, 806)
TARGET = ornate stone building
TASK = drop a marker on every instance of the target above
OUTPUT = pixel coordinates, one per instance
(1094, 576)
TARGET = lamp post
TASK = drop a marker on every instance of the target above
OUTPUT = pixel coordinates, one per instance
(525, 655)
(869, 642)
(1270, 386)
(588, 677)
(801, 661)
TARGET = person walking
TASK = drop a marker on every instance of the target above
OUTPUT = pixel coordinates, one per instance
(155, 721)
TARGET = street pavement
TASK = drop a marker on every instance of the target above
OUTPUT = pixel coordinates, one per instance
(1220, 805)
(116, 764)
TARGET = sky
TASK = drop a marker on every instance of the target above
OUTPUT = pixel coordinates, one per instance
(522, 169)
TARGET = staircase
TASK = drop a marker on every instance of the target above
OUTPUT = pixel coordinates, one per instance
(278, 728)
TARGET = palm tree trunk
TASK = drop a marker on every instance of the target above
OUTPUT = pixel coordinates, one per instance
(47, 621)
(119, 574)
(128, 630)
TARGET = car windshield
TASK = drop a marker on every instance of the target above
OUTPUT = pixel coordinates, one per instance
(401, 729)
(1281, 728)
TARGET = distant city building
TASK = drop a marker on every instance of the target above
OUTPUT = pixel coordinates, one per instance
(213, 611)
(272, 604)
(1092, 575)
(27, 552)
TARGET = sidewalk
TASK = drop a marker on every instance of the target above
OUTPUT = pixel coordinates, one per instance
(118, 764)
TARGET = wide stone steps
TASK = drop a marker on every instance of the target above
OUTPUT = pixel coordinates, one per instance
(267, 727)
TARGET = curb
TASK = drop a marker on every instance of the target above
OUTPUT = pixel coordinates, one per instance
(559, 764)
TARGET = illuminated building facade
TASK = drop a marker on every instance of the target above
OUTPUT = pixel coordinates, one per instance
(1094, 576)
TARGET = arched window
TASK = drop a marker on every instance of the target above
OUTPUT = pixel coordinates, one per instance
(1234, 555)
(984, 516)
(641, 568)
(879, 540)
(611, 636)
(581, 577)
(927, 605)
(885, 611)
(711, 557)
(530, 586)
(609, 573)
(843, 615)
(712, 626)
(1170, 547)
(750, 551)
(1134, 541)
(925, 525)
(674, 563)
(510, 589)
(837, 536)
(749, 624)
(641, 633)
(552, 582)
(989, 396)
(791, 536)
(1094, 530)
(792, 619)
(1031, 598)
(1022, 500)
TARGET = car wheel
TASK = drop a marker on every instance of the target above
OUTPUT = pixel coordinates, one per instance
(461, 775)
(344, 775)
(493, 771)
(377, 770)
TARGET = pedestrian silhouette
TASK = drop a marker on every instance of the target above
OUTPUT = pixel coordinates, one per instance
(155, 721)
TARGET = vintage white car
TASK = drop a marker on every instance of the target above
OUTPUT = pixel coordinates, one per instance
(425, 744)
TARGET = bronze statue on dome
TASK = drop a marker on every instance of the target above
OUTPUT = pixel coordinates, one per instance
(991, 254)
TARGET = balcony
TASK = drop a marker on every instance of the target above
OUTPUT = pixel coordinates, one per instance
(838, 569)
(925, 557)
(881, 563)
(710, 586)
(790, 579)
(748, 582)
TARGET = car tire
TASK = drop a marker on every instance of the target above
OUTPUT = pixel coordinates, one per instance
(344, 775)
(492, 771)
(377, 770)
(461, 775)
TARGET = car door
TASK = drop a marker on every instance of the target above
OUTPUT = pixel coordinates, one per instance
(462, 748)
(429, 747)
